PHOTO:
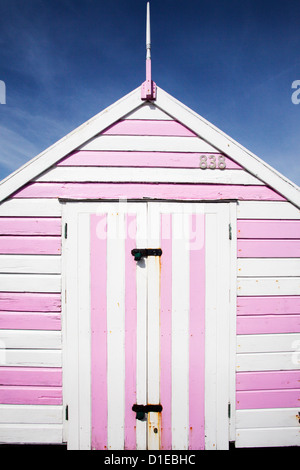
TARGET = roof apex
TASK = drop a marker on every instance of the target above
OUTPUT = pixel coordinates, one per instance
(174, 108)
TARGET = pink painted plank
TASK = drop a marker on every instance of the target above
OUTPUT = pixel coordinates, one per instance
(30, 395)
(99, 334)
(252, 324)
(30, 245)
(30, 226)
(30, 321)
(38, 376)
(274, 305)
(130, 333)
(283, 229)
(268, 380)
(268, 248)
(258, 399)
(197, 335)
(139, 159)
(165, 332)
(25, 302)
(140, 190)
(149, 127)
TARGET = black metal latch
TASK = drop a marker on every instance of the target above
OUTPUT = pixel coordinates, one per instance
(140, 410)
(140, 253)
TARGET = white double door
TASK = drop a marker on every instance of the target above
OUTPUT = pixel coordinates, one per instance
(149, 331)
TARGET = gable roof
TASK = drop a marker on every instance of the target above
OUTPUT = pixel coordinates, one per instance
(176, 110)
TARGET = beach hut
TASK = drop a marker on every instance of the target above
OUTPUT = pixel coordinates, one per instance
(149, 287)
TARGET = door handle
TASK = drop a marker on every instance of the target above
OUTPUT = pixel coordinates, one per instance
(140, 410)
(140, 253)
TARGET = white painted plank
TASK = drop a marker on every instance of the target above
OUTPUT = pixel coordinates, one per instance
(84, 358)
(268, 286)
(180, 335)
(147, 175)
(255, 267)
(115, 327)
(232, 319)
(141, 339)
(268, 343)
(268, 437)
(31, 339)
(153, 266)
(267, 210)
(148, 111)
(30, 264)
(30, 283)
(149, 143)
(30, 434)
(31, 414)
(210, 332)
(30, 207)
(71, 327)
(223, 332)
(268, 361)
(267, 418)
(31, 358)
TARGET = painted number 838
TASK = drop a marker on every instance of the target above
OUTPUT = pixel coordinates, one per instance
(212, 162)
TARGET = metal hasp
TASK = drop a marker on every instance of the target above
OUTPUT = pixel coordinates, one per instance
(141, 410)
(148, 91)
(145, 252)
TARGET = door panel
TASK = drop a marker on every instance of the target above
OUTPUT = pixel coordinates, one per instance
(153, 331)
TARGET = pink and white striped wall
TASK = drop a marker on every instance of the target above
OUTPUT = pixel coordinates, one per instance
(148, 155)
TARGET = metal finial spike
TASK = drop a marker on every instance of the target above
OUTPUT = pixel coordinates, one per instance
(148, 87)
(148, 33)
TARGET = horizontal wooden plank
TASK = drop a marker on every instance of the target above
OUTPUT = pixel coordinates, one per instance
(147, 175)
(33, 376)
(30, 208)
(27, 302)
(31, 358)
(22, 339)
(152, 191)
(149, 144)
(27, 245)
(149, 127)
(266, 418)
(268, 248)
(268, 437)
(31, 434)
(30, 283)
(257, 399)
(30, 264)
(258, 305)
(268, 361)
(24, 395)
(267, 343)
(257, 267)
(147, 111)
(30, 226)
(267, 210)
(31, 414)
(145, 159)
(270, 380)
(283, 229)
(260, 324)
(31, 320)
(268, 286)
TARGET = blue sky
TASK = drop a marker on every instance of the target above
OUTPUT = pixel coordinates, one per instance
(233, 62)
